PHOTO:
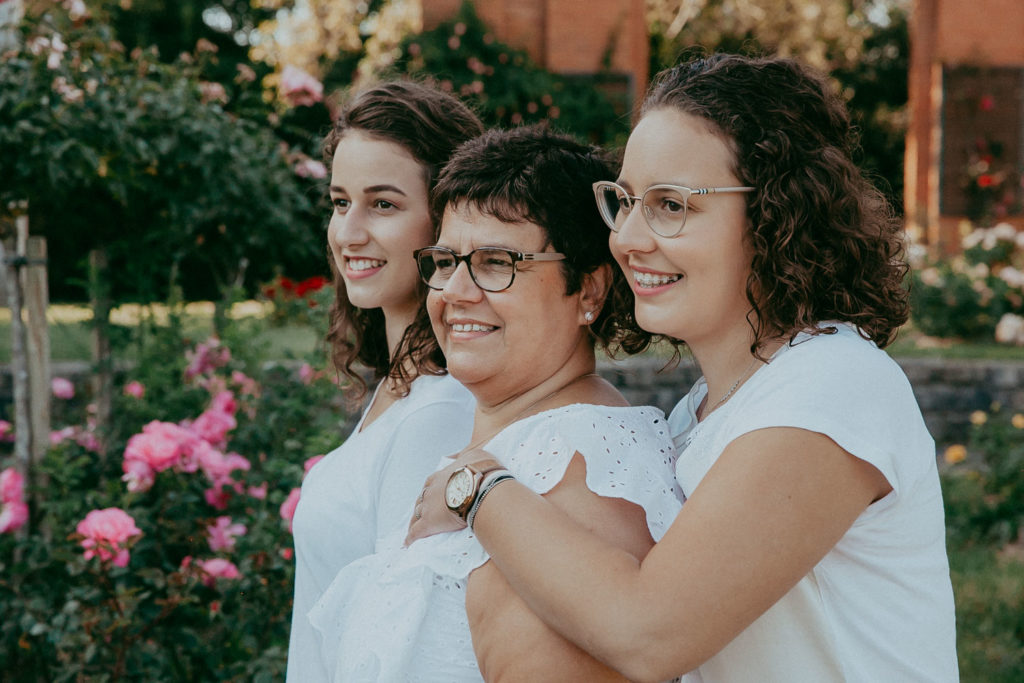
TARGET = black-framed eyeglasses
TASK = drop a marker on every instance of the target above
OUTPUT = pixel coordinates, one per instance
(492, 268)
(663, 206)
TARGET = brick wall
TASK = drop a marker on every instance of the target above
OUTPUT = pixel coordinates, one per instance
(948, 391)
(565, 36)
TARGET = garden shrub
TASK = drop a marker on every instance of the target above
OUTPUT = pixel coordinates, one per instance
(191, 491)
(984, 479)
(505, 87)
(969, 296)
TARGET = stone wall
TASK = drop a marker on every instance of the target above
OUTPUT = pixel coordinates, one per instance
(947, 390)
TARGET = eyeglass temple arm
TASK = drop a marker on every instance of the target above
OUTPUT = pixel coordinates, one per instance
(714, 190)
(546, 256)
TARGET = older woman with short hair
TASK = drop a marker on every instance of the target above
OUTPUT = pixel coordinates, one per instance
(522, 288)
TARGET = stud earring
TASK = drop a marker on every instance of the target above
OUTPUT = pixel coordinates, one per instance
(589, 316)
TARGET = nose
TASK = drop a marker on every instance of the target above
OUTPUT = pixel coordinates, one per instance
(634, 235)
(460, 287)
(348, 229)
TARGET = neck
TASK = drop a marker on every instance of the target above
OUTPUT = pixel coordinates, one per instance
(494, 413)
(727, 360)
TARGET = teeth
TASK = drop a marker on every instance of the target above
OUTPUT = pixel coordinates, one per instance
(364, 264)
(471, 327)
(652, 280)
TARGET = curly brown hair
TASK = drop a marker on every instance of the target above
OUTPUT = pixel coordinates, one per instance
(430, 125)
(826, 244)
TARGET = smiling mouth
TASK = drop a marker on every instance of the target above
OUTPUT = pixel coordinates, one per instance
(651, 280)
(364, 263)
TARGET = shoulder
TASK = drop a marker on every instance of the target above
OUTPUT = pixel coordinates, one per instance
(835, 364)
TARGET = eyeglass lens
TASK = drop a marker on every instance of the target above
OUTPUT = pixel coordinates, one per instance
(491, 269)
(664, 208)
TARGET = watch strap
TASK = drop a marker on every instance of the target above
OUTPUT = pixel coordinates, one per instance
(485, 488)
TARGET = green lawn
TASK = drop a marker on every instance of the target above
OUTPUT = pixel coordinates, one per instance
(70, 330)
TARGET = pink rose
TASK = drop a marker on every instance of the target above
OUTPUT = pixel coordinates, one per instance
(13, 511)
(62, 388)
(299, 89)
(213, 427)
(59, 436)
(134, 389)
(162, 445)
(206, 358)
(217, 568)
(222, 534)
(311, 168)
(217, 497)
(6, 431)
(12, 486)
(288, 507)
(12, 516)
(246, 385)
(106, 532)
(306, 373)
(308, 465)
(258, 492)
(137, 475)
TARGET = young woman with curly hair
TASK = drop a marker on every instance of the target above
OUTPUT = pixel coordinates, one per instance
(385, 151)
(811, 546)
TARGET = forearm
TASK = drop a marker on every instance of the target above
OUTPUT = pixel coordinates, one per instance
(561, 572)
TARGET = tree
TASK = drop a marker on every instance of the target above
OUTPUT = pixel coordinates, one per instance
(863, 44)
(123, 152)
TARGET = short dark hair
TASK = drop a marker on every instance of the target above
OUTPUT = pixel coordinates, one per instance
(535, 175)
(429, 124)
(826, 244)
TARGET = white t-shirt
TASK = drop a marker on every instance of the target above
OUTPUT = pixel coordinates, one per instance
(400, 614)
(364, 490)
(879, 605)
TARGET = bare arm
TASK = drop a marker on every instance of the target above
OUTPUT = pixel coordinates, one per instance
(510, 641)
(775, 502)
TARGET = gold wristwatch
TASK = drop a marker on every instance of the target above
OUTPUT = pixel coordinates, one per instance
(464, 485)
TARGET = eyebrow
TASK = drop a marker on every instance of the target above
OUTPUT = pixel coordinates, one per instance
(373, 189)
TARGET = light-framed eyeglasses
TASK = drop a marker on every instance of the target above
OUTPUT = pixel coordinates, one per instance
(493, 269)
(663, 206)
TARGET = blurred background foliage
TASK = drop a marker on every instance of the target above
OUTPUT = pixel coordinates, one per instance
(156, 130)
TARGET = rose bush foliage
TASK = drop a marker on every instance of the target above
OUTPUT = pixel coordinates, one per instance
(167, 555)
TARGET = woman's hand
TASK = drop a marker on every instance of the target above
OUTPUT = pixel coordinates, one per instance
(431, 515)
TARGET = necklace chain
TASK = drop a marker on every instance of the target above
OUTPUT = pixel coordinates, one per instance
(732, 389)
(522, 413)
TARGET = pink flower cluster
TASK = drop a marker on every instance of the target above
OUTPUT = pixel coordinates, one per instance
(222, 534)
(107, 535)
(13, 509)
(205, 358)
(299, 89)
(188, 447)
(211, 570)
(292, 501)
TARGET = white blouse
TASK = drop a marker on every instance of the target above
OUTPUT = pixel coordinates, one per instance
(400, 614)
(362, 491)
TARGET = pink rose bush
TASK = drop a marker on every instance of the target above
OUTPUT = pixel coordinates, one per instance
(289, 505)
(186, 566)
(107, 535)
(13, 509)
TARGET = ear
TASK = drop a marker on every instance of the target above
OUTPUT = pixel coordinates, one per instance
(593, 292)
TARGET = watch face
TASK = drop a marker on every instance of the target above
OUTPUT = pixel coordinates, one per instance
(460, 486)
